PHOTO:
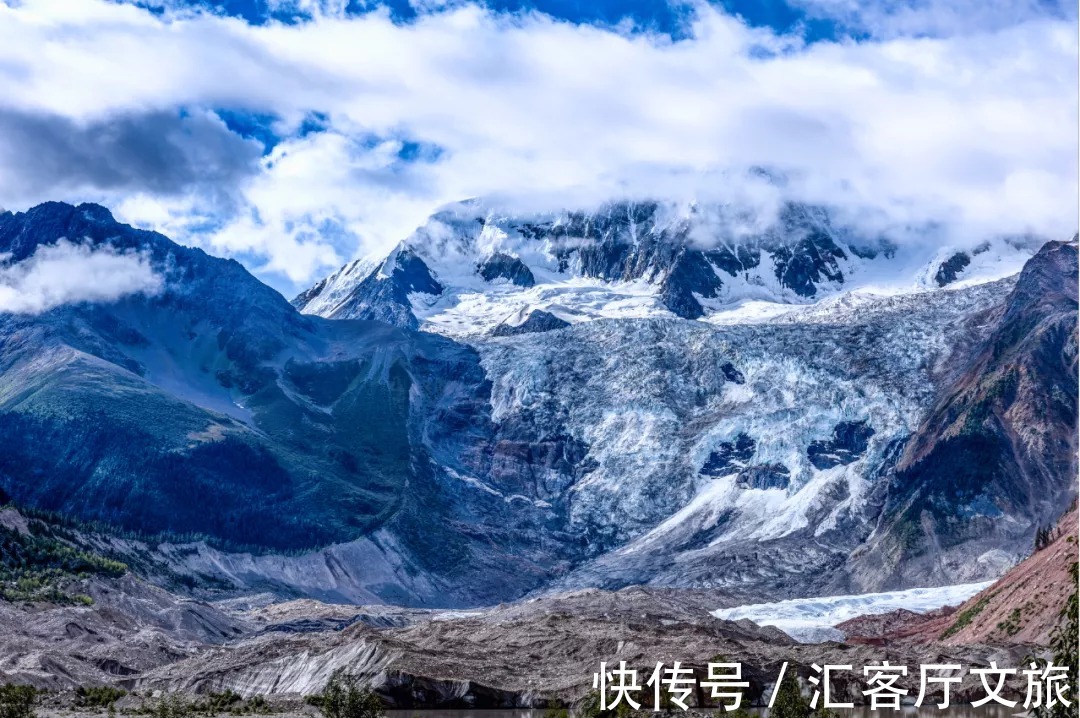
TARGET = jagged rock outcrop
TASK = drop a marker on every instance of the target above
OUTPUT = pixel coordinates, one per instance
(729, 457)
(848, 443)
(951, 268)
(537, 321)
(504, 266)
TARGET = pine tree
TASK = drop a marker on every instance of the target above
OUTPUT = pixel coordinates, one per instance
(789, 701)
(343, 698)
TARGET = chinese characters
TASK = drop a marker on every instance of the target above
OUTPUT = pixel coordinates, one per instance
(882, 685)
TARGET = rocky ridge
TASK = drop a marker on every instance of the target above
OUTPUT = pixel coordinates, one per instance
(474, 264)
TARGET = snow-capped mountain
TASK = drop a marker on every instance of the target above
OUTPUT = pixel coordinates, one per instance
(796, 444)
(474, 268)
(738, 405)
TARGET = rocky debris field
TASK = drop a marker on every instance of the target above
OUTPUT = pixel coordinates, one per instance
(530, 654)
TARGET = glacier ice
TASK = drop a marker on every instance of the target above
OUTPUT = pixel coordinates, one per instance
(813, 620)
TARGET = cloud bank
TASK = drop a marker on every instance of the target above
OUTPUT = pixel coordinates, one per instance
(68, 273)
(367, 125)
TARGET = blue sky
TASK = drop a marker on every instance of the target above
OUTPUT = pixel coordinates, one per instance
(814, 20)
(661, 17)
(295, 135)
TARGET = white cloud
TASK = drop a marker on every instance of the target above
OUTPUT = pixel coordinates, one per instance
(975, 130)
(68, 273)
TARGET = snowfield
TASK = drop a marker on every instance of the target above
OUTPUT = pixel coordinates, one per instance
(813, 620)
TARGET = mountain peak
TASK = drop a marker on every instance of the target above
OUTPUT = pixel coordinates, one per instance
(482, 262)
(21, 233)
(89, 211)
(96, 213)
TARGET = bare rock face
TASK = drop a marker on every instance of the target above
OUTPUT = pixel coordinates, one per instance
(506, 267)
(537, 321)
(952, 268)
(848, 443)
(883, 628)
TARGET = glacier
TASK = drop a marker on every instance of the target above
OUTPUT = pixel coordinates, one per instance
(813, 620)
(680, 407)
(651, 401)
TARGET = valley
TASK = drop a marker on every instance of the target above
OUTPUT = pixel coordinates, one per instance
(498, 448)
